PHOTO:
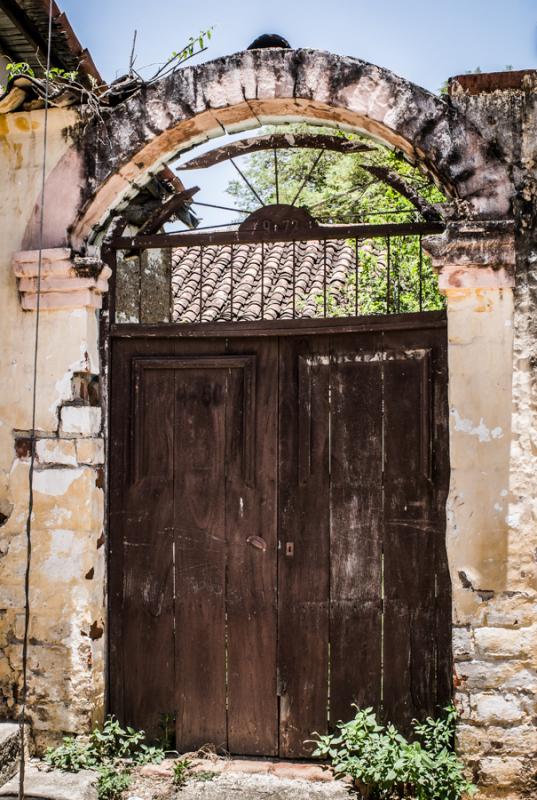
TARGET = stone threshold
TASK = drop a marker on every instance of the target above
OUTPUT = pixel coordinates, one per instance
(289, 770)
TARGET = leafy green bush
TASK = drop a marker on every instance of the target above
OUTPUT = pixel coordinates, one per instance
(386, 766)
(112, 751)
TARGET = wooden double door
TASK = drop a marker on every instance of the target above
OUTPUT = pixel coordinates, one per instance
(277, 532)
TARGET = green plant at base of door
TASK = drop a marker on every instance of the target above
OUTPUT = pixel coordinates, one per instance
(386, 766)
(112, 751)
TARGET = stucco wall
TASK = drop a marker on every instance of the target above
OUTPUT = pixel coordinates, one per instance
(492, 542)
(67, 579)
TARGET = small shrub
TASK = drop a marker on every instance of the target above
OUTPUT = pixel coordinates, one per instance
(71, 755)
(112, 783)
(386, 766)
(112, 751)
(181, 771)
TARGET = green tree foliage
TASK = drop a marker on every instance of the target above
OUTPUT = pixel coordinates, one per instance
(339, 188)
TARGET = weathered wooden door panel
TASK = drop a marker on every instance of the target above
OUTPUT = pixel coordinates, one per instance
(277, 534)
(356, 499)
(417, 655)
(200, 557)
(141, 557)
(304, 550)
(251, 528)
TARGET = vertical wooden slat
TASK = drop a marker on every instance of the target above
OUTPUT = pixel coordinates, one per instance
(410, 543)
(141, 553)
(251, 553)
(303, 549)
(355, 526)
(199, 521)
(439, 472)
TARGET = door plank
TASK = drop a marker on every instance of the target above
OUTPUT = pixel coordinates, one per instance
(303, 590)
(142, 553)
(355, 526)
(252, 552)
(199, 522)
(410, 539)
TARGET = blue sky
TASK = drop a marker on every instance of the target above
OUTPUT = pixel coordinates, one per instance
(422, 40)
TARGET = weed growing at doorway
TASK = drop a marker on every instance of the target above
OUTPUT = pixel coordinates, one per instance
(181, 770)
(386, 766)
(112, 751)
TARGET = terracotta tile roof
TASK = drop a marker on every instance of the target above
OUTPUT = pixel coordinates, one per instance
(214, 263)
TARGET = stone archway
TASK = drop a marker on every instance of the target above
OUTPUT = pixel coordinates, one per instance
(116, 154)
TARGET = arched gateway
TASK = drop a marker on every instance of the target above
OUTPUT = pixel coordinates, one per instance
(277, 490)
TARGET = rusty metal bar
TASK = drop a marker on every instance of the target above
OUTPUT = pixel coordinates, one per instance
(201, 283)
(220, 208)
(294, 279)
(420, 272)
(356, 275)
(276, 180)
(246, 181)
(318, 233)
(232, 275)
(388, 276)
(262, 280)
(308, 176)
(276, 141)
(396, 283)
(138, 260)
(324, 279)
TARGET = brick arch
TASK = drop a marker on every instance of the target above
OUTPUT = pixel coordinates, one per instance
(253, 88)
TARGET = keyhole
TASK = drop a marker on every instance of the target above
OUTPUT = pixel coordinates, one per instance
(289, 548)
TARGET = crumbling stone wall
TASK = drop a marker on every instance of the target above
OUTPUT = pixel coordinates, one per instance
(66, 657)
(495, 599)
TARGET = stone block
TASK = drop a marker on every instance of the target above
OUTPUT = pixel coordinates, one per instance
(60, 301)
(56, 451)
(45, 784)
(497, 709)
(9, 749)
(504, 642)
(90, 451)
(518, 740)
(81, 420)
(484, 675)
(463, 644)
(513, 612)
(501, 772)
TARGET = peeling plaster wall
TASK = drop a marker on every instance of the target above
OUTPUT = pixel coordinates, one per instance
(67, 583)
(492, 524)
(491, 536)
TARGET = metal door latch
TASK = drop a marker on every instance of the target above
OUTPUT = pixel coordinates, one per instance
(257, 542)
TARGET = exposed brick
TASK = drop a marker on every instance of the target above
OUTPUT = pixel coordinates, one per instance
(56, 451)
(81, 420)
(90, 451)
